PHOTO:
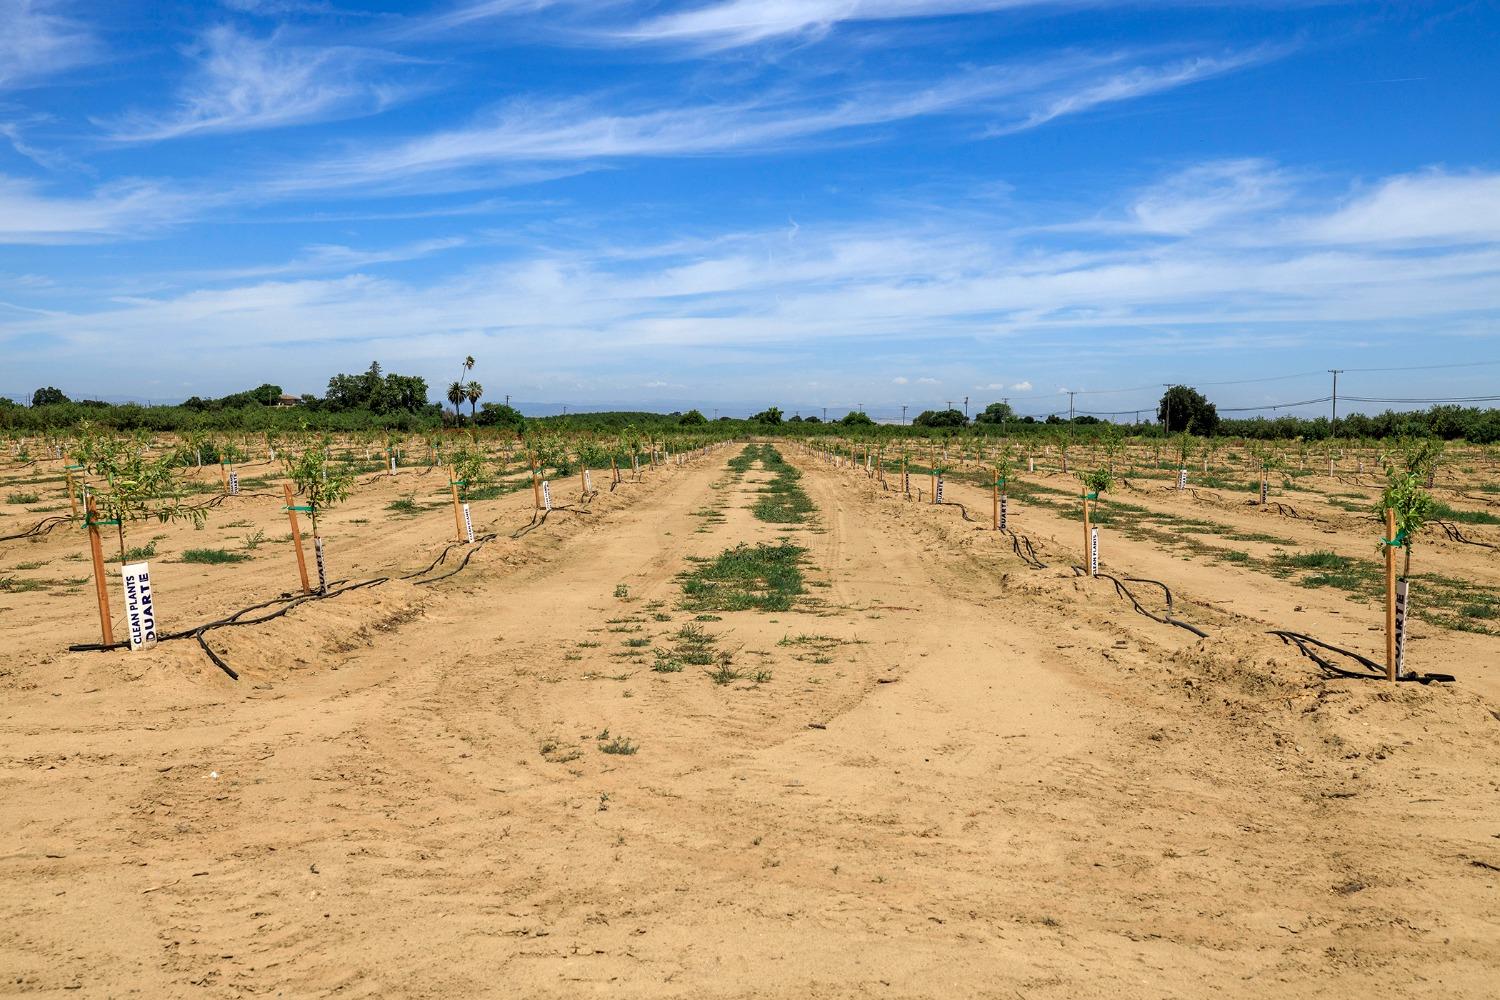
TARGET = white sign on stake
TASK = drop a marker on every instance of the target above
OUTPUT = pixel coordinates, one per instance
(939, 497)
(1265, 488)
(1031, 463)
(1004, 502)
(234, 484)
(906, 486)
(1093, 552)
(140, 609)
(588, 481)
(1182, 479)
(393, 463)
(1402, 606)
(546, 495)
(468, 524)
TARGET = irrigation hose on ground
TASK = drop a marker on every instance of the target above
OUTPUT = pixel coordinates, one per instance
(1454, 535)
(42, 527)
(1125, 592)
(1373, 672)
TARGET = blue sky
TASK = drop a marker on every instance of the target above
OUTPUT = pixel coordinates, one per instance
(736, 203)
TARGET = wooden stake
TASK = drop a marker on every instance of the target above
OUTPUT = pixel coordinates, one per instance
(536, 483)
(458, 514)
(291, 513)
(224, 477)
(995, 499)
(101, 587)
(72, 497)
(1390, 595)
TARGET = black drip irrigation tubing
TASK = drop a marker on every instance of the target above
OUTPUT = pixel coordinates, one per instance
(1451, 530)
(42, 527)
(537, 522)
(961, 508)
(1023, 548)
(1474, 496)
(1286, 510)
(1124, 591)
(1373, 671)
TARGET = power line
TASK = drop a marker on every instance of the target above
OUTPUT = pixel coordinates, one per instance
(1453, 399)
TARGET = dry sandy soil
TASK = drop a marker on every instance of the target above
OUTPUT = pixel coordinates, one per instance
(955, 775)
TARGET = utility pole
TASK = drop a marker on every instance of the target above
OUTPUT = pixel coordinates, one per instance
(950, 404)
(716, 413)
(825, 414)
(1166, 425)
(966, 407)
(861, 407)
(1071, 394)
(903, 414)
(1335, 372)
(507, 399)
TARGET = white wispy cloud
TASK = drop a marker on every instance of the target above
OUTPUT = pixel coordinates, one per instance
(242, 83)
(324, 258)
(1019, 387)
(737, 23)
(1131, 84)
(584, 130)
(1420, 208)
(36, 41)
(118, 210)
(900, 380)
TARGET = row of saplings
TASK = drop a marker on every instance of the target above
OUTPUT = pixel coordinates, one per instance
(1405, 505)
(139, 488)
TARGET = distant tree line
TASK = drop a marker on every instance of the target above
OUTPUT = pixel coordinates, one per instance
(376, 398)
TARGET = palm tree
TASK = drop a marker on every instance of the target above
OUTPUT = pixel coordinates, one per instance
(474, 391)
(456, 395)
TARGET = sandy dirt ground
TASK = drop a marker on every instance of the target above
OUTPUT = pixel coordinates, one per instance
(947, 772)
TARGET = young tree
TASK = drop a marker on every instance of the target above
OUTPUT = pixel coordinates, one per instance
(321, 486)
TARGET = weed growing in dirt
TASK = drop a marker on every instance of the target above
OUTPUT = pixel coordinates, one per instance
(138, 553)
(22, 498)
(1444, 512)
(406, 505)
(666, 663)
(16, 585)
(747, 577)
(622, 591)
(619, 745)
(724, 674)
(213, 557)
(782, 499)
